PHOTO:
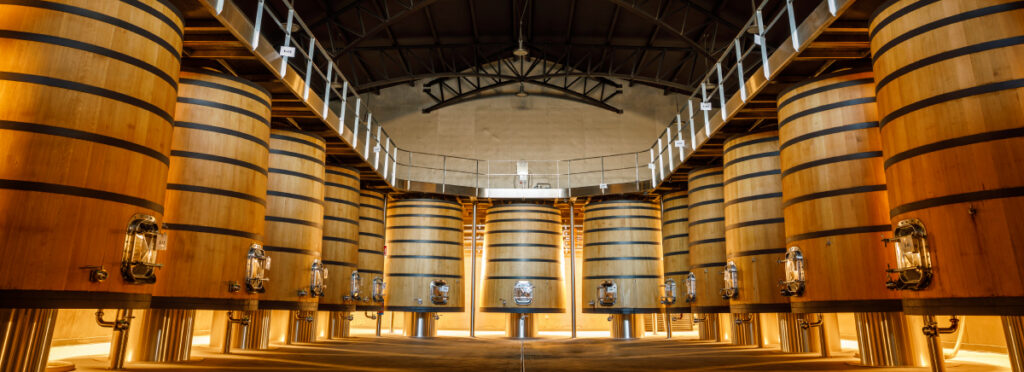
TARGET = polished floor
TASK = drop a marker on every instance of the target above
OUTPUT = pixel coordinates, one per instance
(395, 353)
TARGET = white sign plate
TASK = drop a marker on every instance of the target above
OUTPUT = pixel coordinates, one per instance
(680, 143)
(287, 51)
(705, 106)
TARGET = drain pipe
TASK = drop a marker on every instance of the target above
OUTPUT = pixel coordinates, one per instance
(822, 337)
(243, 321)
(932, 330)
(119, 341)
(380, 318)
(959, 339)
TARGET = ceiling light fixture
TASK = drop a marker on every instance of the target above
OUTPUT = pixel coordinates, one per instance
(522, 91)
(521, 50)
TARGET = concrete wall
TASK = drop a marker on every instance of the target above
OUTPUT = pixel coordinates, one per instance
(530, 128)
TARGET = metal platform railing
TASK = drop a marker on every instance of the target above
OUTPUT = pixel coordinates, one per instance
(308, 69)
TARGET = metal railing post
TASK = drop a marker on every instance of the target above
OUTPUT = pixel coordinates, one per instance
(472, 270)
(572, 265)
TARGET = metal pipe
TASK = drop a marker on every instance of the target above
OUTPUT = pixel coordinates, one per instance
(1013, 329)
(932, 330)
(25, 336)
(163, 335)
(668, 324)
(242, 322)
(119, 340)
(572, 265)
(254, 335)
(521, 326)
(794, 337)
(959, 340)
(380, 318)
(627, 326)
(744, 329)
(822, 336)
(708, 329)
(301, 327)
(884, 339)
(339, 324)
(420, 325)
(472, 280)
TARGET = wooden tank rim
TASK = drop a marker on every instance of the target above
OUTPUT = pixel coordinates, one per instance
(296, 131)
(819, 78)
(678, 194)
(22, 299)
(173, 9)
(370, 308)
(345, 167)
(852, 306)
(425, 309)
(622, 198)
(678, 309)
(199, 303)
(623, 310)
(1009, 306)
(369, 194)
(523, 203)
(760, 308)
(726, 148)
(881, 8)
(222, 75)
(709, 309)
(336, 306)
(287, 305)
(824, 89)
(523, 310)
(426, 198)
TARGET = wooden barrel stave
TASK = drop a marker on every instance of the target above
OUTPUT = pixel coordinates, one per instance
(424, 245)
(341, 236)
(295, 215)
(622, 244)
(371, 247)
(675, 244)
(215, 207)
(835, 194)
(707, 238)
(754, 229)
(950, 142)
(523, 243)
(110, 136)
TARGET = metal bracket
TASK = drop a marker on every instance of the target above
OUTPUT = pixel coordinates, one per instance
(932, 329)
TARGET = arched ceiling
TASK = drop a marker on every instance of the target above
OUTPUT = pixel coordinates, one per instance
(668, 44)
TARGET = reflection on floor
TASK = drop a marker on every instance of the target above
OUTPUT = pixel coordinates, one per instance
(453, 351)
